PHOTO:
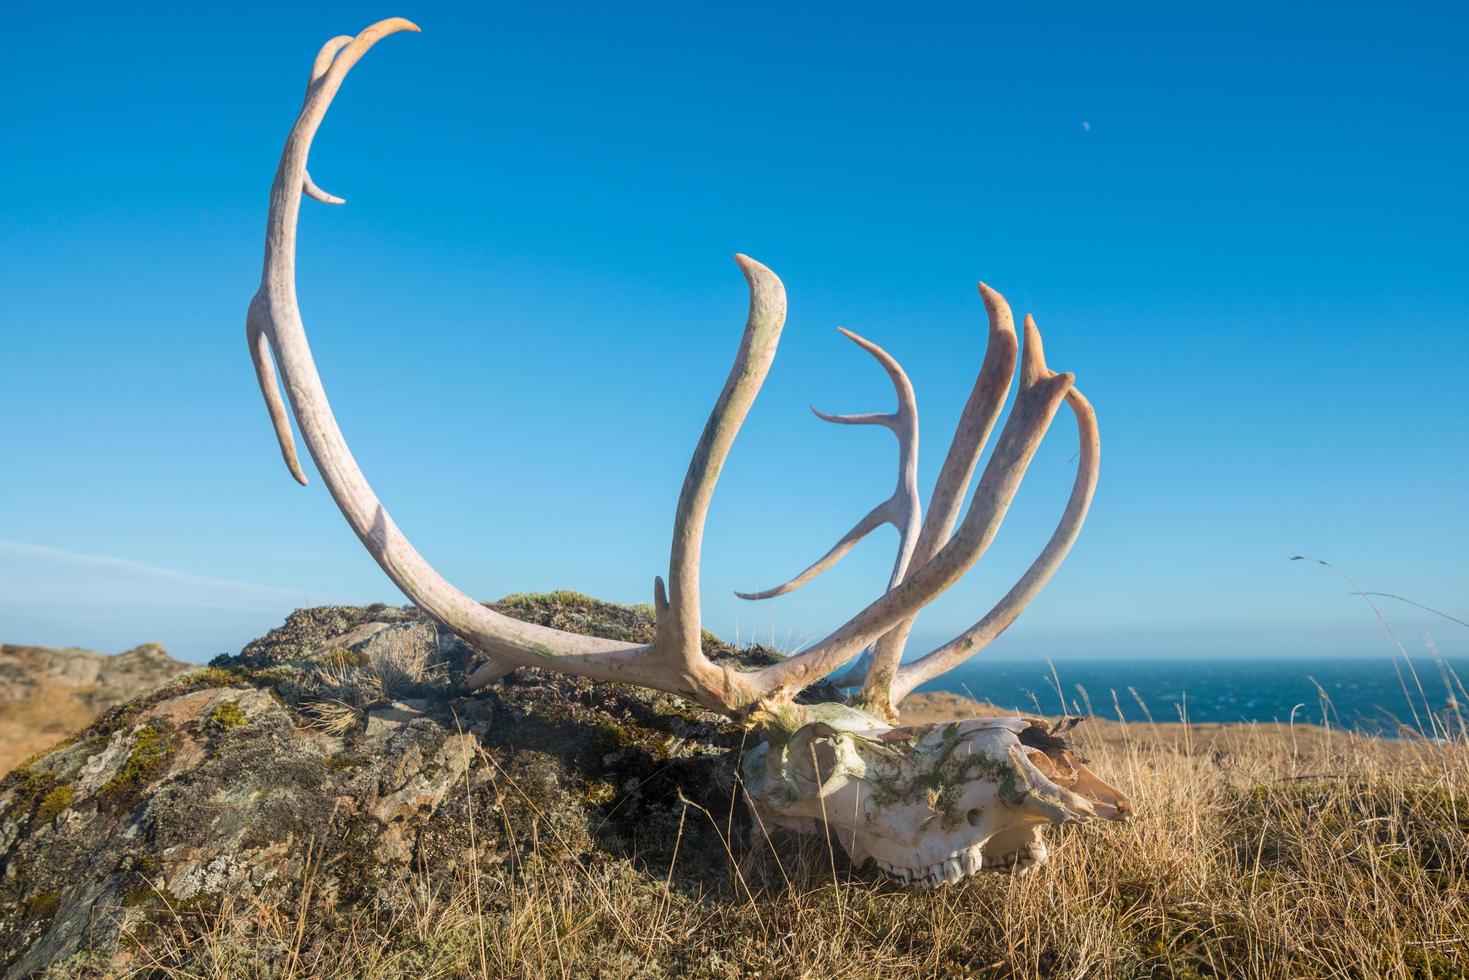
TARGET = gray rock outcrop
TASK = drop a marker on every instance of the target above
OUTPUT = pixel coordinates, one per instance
(334, 763)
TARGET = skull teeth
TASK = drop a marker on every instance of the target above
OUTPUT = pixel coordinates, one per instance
(962, 864)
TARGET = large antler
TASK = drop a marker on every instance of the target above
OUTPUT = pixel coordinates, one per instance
(901, 509)
(884, 682)
(674, 662)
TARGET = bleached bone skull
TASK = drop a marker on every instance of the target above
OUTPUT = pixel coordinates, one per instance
(930, 804)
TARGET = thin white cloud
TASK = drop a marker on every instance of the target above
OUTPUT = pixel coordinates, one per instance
(37, 573)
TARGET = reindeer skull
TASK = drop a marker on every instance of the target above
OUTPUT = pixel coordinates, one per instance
(931, 804)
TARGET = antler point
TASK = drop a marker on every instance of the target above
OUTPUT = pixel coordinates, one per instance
(756, 273)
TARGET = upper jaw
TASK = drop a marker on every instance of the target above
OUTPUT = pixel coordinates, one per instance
(964, 863)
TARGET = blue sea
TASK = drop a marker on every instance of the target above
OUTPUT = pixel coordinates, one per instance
(1368, 694)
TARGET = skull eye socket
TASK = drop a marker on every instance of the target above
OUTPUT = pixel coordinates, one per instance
(973, 816)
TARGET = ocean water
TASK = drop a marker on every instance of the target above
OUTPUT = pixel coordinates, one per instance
(1366, 694)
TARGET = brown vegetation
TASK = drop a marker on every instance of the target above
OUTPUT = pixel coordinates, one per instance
(594, 830)
(48, 694)
(1256, 852)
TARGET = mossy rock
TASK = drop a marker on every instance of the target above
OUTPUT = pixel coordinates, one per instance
(224, 787)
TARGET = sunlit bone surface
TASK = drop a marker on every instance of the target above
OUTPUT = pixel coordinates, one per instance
(929, 804)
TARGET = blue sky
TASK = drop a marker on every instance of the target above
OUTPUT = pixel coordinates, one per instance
(1242, 227)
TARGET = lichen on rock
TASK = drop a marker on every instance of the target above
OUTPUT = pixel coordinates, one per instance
(227, 786)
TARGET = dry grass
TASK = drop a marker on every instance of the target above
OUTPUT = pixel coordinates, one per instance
(1255, 852)
(351, 683)
(400, 665)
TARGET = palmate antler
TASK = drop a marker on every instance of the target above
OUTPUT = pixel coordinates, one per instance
(932, 556)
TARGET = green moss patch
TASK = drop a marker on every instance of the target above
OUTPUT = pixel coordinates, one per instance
(153, 747)
(54, 802)
(341, 657)
(41, 906)
(226, 716)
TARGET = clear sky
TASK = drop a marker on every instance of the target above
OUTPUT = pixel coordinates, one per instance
(1242, 226)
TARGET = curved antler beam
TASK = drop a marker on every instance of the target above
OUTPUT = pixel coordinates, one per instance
(1041, 393)
(1008, 609)
(277, 340)
(901, 510)
(976, 422)
(678, 631)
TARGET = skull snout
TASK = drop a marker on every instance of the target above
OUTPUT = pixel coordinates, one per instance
(1064, 779)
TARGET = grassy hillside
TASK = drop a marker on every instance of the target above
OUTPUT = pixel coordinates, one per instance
(47, 694)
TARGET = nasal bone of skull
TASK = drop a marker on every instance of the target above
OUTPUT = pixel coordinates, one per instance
(1066, 788)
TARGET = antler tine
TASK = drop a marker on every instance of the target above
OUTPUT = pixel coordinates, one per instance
(902, 509)
(1005, 612)
(678, 630)
(1040, 396)
(277, 339)
(976, 422)
(329, 68)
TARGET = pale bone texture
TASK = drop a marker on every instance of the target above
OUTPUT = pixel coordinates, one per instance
(933, 553)
(930, 805)
(883, 681)
(901, 510)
